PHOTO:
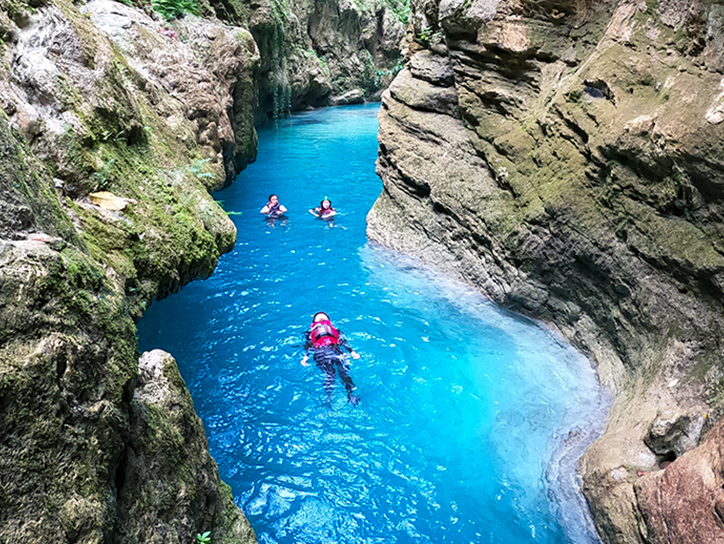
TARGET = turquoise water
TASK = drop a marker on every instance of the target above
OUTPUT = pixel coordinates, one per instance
(471, 420)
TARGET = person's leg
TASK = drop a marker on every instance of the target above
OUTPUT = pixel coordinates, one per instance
(327, 366)
(348, 383)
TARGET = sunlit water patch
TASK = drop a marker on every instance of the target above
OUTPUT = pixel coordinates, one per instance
(471, 421)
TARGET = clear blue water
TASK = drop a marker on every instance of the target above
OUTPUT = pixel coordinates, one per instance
(471, 419)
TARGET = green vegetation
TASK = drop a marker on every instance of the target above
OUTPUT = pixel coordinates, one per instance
(173, 9)
(324, 66)
(18, 9)
(204, 538)
(197, 169)
(392, 72)
(427, 37)
(101, 180)
(369, 76)
(399, 8)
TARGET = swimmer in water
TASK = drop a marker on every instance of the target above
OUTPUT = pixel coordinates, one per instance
(273, 209)
(325, 210)
(327, 342)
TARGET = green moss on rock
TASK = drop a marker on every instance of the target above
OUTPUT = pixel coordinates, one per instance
(73, 279)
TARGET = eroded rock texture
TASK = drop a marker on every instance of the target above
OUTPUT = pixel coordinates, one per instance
(685, 502)
(312, 53)
(92, 449)
(567, 158)
(167, 462)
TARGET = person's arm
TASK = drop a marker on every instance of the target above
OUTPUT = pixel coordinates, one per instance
(345, 344)
(331, 213)
(265, 209)
(282, 208)
(314, 213)
(307, 346)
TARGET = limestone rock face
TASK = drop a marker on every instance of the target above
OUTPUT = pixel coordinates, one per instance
(314, 51)
(216, 93)
(109, 100)
(168, 439)
(684, 504)
(565, 158)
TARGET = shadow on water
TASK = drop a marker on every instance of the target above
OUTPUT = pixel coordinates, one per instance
(472, 420)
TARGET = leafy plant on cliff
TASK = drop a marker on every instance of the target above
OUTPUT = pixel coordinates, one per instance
(324, 66)
(401, 9)
(427, 37)
(173, 9)
(197, 167)
(101, 180)
(204, 538)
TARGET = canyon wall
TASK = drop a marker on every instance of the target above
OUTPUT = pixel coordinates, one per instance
(320, 52)
(113, 130)
(567, 158)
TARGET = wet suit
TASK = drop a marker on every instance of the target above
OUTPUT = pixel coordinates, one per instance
(328, 355)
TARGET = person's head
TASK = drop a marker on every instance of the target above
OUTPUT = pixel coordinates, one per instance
(273, 199)
(325, 204)
(320, 316)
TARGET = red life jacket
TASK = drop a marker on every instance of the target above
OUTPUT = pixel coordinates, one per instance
(323, 334)
(321, 212)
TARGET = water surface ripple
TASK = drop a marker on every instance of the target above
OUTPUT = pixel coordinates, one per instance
(471, 422)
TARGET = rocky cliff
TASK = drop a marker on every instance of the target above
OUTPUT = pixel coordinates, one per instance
(113, 130)
(567, 158)
(321, 52)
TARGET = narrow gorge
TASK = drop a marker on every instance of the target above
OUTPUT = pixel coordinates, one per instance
(116, 124)
(564, 157)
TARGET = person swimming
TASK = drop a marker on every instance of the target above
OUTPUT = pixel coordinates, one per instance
(327, 342)
(324, 210)
(273, 208)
